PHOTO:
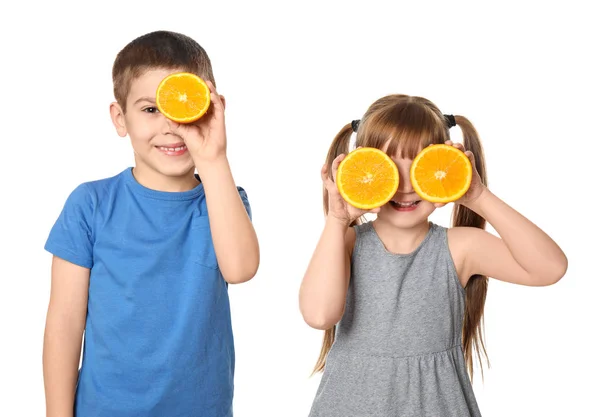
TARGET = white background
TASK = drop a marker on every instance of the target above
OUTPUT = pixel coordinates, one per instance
(525, 73)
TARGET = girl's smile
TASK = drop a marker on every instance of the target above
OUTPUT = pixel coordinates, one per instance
(399, 205)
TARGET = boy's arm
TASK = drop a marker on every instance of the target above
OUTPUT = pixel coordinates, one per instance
(234, 237)
(65, 323)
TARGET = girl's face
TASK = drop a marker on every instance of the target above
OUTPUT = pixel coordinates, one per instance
(406, 209)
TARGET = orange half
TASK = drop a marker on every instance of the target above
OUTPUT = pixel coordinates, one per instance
(441, 173)
(183, 97)
(367, 178)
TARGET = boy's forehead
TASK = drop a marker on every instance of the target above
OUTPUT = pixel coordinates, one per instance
(145, 85)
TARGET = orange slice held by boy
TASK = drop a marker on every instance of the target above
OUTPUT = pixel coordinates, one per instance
(183, 97)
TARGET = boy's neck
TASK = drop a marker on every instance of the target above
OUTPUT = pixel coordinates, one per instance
(160, 182)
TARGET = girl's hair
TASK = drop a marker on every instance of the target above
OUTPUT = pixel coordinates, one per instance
(412, 123)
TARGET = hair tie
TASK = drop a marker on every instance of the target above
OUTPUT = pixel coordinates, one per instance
(355, 124)
(450, 120)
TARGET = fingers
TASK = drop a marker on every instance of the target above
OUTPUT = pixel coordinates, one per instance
(458, 145)
(324, 175)
(335, 165)
(439, 205)
(215, 98)
(471, 158)
(328, 180)
(177, 129)
(173, 126)
(455, 144)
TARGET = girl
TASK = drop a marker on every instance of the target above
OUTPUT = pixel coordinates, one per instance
(403, 298)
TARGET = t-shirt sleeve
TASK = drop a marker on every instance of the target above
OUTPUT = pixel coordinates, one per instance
(244, 197)
(71, 236)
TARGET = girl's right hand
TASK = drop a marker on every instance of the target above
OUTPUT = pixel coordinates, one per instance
(339, 208)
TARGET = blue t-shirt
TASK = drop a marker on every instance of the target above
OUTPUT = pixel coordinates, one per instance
(158, 338)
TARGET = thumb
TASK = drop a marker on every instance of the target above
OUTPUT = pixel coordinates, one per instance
(471, 157)
(178, 130)
(173, 126)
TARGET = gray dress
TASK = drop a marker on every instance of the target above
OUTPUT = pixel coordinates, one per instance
(398, 349)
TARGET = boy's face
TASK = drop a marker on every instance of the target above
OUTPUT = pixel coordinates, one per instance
(159, 153)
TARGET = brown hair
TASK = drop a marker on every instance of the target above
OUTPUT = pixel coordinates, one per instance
(413, 123)
(160, 49)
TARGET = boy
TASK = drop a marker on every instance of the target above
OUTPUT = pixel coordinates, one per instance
(142, 260)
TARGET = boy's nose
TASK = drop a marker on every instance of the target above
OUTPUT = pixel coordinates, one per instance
(169, 127)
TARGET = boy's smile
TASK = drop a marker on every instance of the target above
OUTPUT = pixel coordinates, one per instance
(174, 149)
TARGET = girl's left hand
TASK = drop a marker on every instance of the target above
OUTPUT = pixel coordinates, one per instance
(477, 187)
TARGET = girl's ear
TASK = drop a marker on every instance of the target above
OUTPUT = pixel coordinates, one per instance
(117, 116)
(223, 100)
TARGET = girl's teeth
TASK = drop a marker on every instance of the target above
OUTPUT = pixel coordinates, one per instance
(173, 149)
(405, 204)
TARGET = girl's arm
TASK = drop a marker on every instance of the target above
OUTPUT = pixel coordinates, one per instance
(523, 254)
(65, 323)
(325, 284)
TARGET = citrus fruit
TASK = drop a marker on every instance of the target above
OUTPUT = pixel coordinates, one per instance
(367, 178)
(183, 97)
(441, 173)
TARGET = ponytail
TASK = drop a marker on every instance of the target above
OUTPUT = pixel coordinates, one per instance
(340, 145)
(476, 289)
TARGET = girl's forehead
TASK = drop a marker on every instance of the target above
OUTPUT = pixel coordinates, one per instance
(397, 152)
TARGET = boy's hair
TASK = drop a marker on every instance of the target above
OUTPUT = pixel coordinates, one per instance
(160, 49)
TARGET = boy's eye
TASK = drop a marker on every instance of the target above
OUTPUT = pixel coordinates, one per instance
(151, 110)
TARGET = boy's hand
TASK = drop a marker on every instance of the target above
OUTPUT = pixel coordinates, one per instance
(205, 139)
